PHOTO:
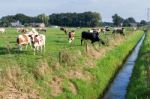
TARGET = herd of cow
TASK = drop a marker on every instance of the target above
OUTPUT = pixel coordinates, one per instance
(92, 34)
(37, 41)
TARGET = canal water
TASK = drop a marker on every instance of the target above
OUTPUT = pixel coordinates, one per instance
(118, 88)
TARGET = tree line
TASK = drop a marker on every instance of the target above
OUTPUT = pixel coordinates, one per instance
(86, 19)
(119, 21)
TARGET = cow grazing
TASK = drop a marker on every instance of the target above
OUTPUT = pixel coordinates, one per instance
(22, 30)
(91, 30)
(107, 28)
(118, 30)
(38, 42)
(102, 30)
(71, 36)
(41, 29)
(64, 29)
(94, 30)
(2, 30)
(94, 37)
(23, 39)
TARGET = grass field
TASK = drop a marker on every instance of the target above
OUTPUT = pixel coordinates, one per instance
(64, 70)
(139, 87)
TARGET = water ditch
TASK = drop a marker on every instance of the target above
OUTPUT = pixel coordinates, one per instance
(118, 87)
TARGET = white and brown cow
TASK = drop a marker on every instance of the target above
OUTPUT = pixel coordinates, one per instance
(23, 39)
(71, 36)
(41, 29)
(38, 42)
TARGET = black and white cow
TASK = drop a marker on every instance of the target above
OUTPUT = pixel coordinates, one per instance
(119, 30)
(93, 37)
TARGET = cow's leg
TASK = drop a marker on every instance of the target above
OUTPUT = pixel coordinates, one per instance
(114, 33)
(81, 41)
(102, 42)
(26, 46)
(20, 47)
(37, 48)
(123, 34)
(30, 45)
(70, 40)
(41, 48)
(44, 47)
(34, 49)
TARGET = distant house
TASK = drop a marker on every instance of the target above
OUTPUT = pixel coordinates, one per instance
(133, 24)
(37, 25)
(16, 24)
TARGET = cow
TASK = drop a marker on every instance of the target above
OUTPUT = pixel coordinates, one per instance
(23, 39)
(107, 28)
(102, 30)
(64, 29)
(2, 30)
(41, 29)
(94, 30)
(71, 36)
(38, 42)
(119, 30)
(22, 30)
(94, 37)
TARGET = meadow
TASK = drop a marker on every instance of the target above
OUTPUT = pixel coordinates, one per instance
(64, 70)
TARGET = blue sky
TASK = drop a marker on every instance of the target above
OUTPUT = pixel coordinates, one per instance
(107, 8)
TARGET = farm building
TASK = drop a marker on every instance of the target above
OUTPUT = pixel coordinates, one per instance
(37, 25)
(16, 24)
(133, 24)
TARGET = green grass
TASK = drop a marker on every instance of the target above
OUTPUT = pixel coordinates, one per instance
(139, 86)
(33, 74)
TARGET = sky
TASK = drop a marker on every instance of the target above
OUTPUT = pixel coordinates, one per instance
(106, 8)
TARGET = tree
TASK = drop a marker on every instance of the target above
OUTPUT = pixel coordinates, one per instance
(5, 21)
(86, 19)
(22, 18)
(126, 22)
(143, 22)
(117, 20)
(43, 18)
(129, 21)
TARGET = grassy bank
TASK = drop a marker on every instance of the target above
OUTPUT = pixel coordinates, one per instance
(64, 70)
(139, 86)
(104, 70)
